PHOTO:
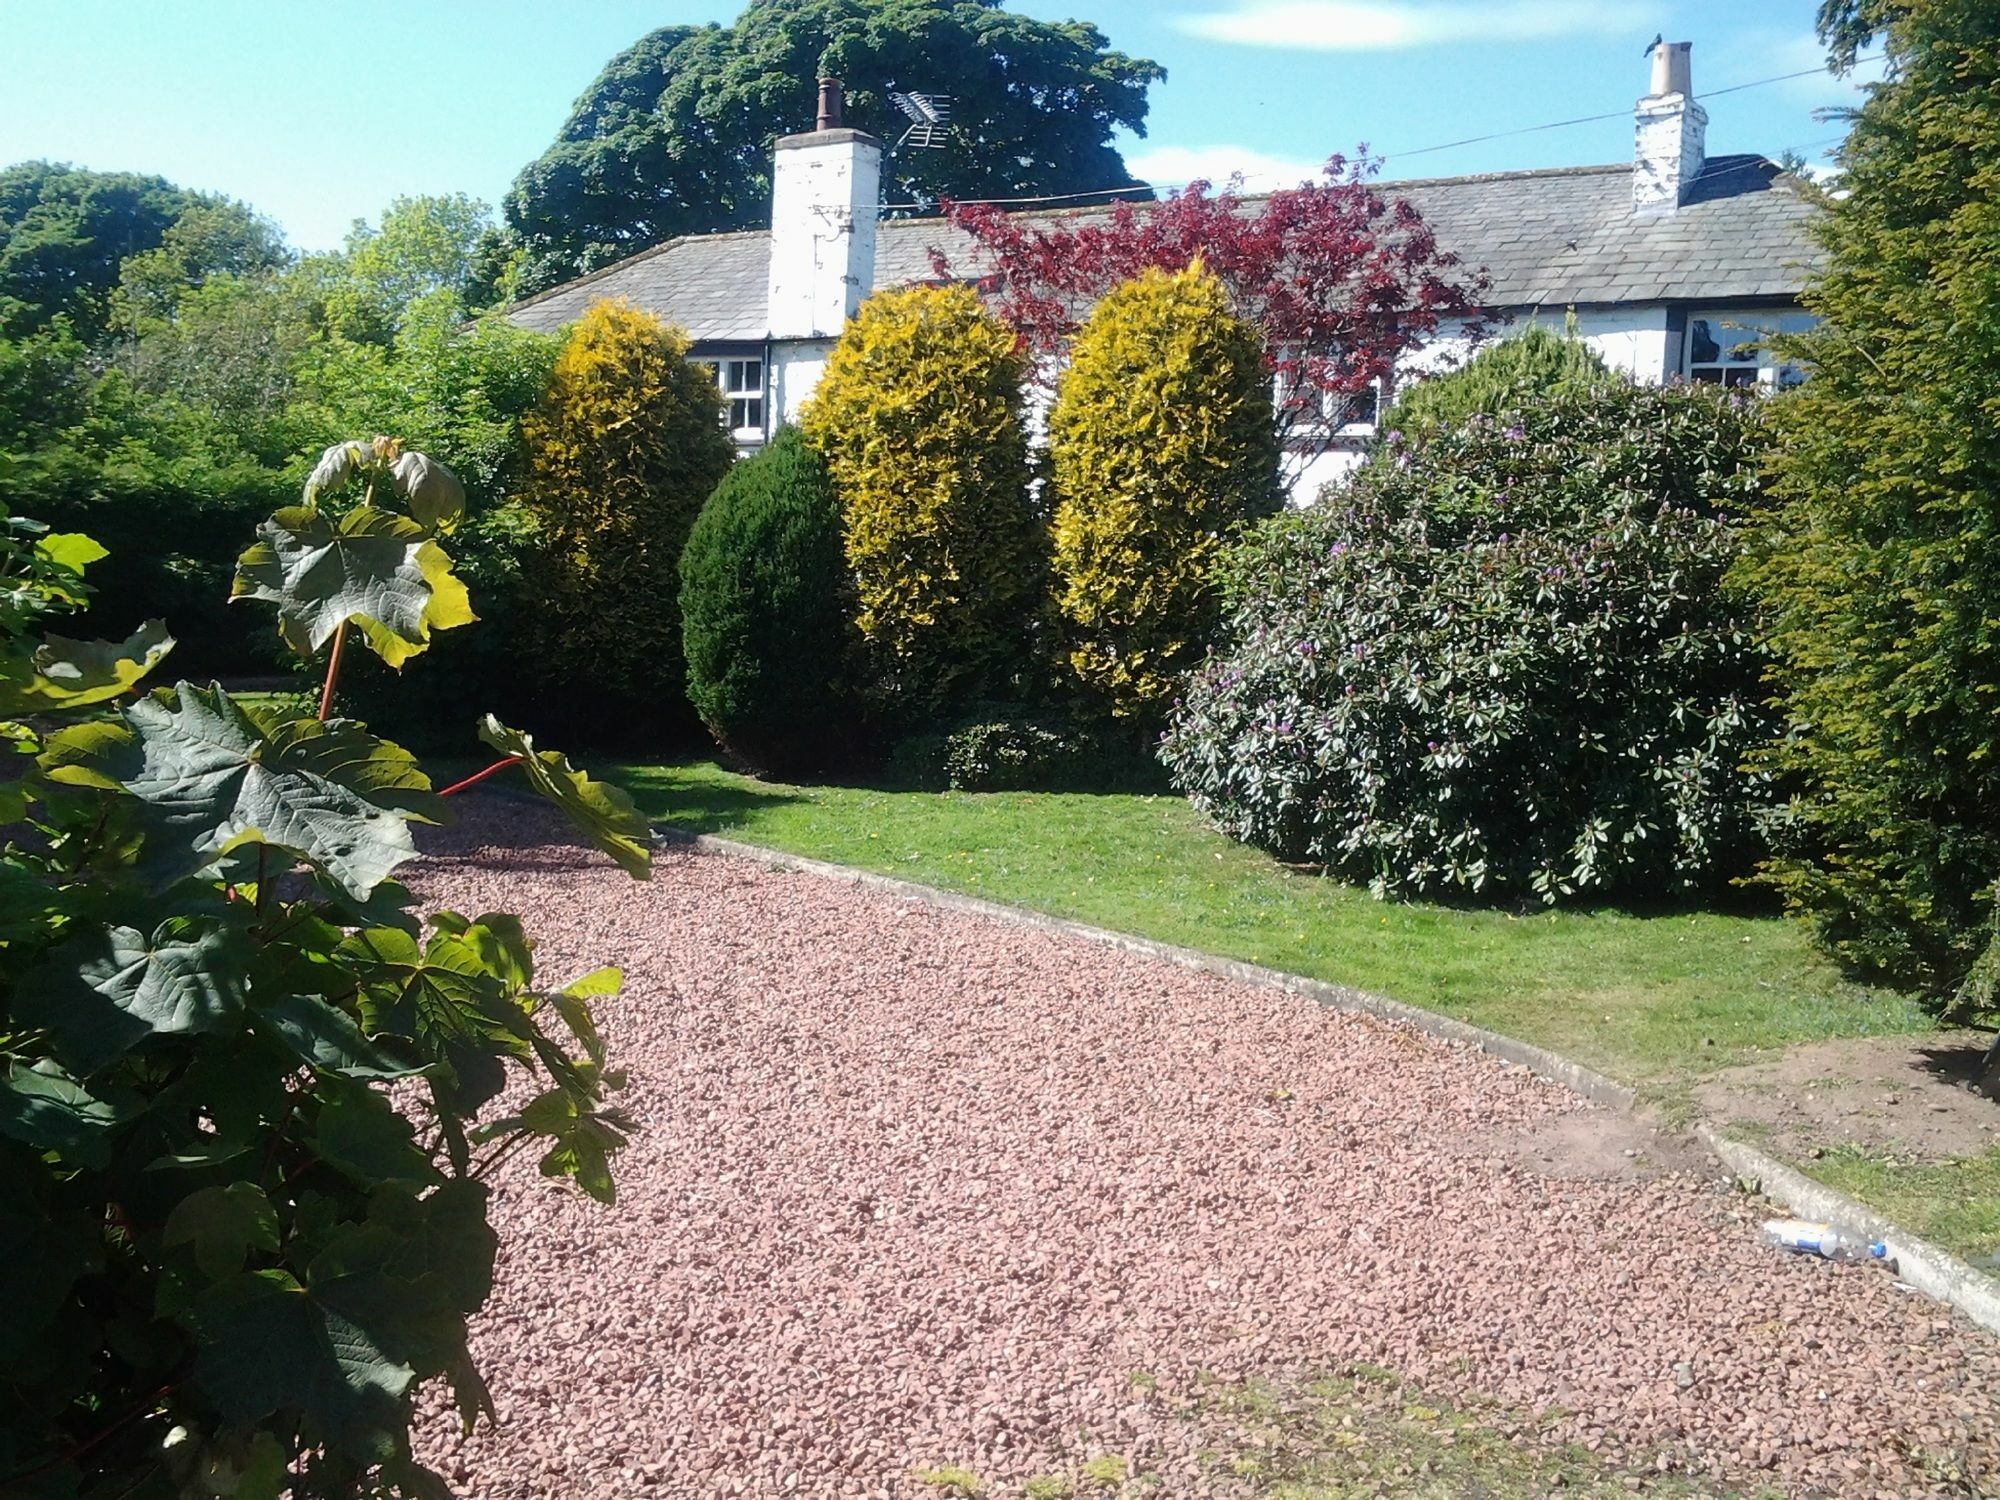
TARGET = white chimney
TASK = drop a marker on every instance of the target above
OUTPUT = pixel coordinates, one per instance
(826, 190)
(1672, 133)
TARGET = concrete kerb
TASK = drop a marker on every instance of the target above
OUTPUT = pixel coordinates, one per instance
(1920, 1264)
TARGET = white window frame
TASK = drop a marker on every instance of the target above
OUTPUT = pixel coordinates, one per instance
(1737, 343)
(1333, 419)
(745, 397)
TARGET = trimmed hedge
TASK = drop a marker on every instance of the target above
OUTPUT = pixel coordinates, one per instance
(766, 612)
(624, 448)
(919, 420)
(1161, 443)
(1501, 661)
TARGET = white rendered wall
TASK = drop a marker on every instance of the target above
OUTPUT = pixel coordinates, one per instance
(825, 197)
(1632, 339)
(796, 366)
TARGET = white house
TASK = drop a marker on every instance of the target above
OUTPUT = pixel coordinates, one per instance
(1674, 264)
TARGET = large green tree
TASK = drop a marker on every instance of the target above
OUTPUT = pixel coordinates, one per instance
(675, 135)
(66, 234)
(1881, 567)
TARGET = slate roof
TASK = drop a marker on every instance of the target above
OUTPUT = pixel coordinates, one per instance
(1550, 238)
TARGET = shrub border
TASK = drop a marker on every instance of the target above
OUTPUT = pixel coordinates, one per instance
(1919, 1264)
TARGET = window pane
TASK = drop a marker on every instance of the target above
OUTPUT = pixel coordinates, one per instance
(1702, 348)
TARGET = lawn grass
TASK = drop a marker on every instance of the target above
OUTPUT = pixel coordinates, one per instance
(1953, 1203)
(1656, 1000)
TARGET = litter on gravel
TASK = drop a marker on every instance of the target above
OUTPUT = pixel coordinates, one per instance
(916, 1190)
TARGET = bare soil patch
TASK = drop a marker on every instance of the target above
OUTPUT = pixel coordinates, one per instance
(1912, 1097)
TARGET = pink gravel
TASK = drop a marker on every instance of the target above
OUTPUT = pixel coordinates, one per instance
(915, 1188)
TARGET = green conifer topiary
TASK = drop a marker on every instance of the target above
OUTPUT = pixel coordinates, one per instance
(919, 420)
(624, 448)
(1880, 567)
(1161, 443)
(766, 611)
(1536, 361)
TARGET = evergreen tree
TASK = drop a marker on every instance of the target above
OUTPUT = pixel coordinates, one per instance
(765, 611)
(1161, 444)
(1881, 566)
(919, 420)
(622, 452)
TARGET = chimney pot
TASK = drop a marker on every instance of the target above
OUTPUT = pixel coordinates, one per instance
(1671, 71)
(829, 105)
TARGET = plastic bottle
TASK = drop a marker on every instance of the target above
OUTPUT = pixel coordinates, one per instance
(1827, 1240)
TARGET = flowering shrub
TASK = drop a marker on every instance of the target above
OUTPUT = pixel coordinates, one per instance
(1499, 660)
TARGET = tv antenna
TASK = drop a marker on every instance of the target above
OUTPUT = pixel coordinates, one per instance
(930, 119)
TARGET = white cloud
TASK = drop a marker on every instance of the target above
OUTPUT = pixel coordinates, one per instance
(1390, 25)
(1173, 166)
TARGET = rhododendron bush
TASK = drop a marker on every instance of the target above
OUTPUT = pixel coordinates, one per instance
(1500, 660)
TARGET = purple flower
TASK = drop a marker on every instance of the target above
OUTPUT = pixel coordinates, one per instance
(1286, 727)
(1336, 549)
(1515, 435)
(1307, 648)
(1359, 650)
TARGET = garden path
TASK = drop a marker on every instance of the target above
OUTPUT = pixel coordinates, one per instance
(913, 1191)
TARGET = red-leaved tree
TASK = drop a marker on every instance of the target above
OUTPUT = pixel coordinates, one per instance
(1341, 281)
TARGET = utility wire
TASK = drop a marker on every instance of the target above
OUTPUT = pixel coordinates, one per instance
(1471, 140)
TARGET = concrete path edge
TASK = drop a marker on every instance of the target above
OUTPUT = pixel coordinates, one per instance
(1919, 1264)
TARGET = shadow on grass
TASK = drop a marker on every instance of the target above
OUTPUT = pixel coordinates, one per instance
(700, 805)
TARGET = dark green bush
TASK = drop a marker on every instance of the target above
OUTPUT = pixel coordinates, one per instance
(1501, 660)
(1537, 361)
(767, 612)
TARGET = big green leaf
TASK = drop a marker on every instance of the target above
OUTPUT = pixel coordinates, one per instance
(372, 567)
(266, 1345)
(223, 1224)
(216, 780)
(109, 989)
(76, 674)
(443, 992)
(327, 1037)
(344, 752)
(601, 812)
(359, 1132)
(42, 1106)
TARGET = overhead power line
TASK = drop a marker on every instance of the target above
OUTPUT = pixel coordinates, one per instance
(1471, 140)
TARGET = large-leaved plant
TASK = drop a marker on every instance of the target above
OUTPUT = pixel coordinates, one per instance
(250, 1100)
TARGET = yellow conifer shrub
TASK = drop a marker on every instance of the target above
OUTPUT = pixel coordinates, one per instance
(1161, 442)
(918, 418)
(622, 452)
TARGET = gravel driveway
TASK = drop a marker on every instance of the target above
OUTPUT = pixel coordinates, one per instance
(915, 1189)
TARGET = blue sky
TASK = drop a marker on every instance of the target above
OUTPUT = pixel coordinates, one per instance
(319, 111)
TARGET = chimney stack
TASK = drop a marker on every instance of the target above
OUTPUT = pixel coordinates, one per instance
(826, 191)
(1671, 133)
